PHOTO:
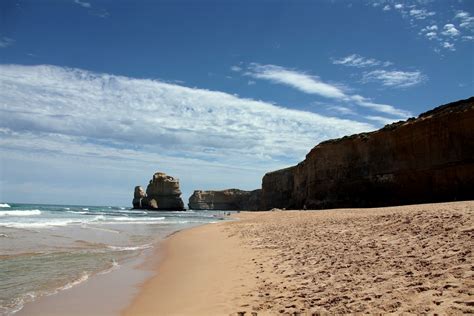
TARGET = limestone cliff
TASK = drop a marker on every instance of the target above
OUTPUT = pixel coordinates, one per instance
(162, 193)
(231, 199)
(427, 159)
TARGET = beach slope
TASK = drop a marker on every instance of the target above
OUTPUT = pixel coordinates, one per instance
(414, 259)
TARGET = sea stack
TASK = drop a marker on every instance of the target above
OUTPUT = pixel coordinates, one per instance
(162, 193)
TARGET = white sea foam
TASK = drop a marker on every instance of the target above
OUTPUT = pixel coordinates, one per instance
(136, 219)
(19, 303)
(20, 213)
(83, 278)
(38, 224)
(115, 266)
(130, 248)
(85, 209)
(31, 296)
(99, 218)
(77, 212)
(4, 205)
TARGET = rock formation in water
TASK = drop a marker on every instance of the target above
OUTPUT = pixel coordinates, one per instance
(427, 159)
(231, 199)
(162, 193)
(141, 201)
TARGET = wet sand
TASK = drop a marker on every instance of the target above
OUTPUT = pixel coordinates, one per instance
(413, 259)
(105, 294)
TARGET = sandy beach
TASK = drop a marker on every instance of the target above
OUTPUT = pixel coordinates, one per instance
(407, 259)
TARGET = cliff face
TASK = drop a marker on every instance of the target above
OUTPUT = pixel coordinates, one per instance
(231, 199)
(427, 159)
(277, 189)
(162, 193)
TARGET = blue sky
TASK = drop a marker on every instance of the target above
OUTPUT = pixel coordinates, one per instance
(95, 96)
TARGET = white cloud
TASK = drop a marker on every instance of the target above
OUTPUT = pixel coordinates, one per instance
(298, 80)
(430, 32)
(449, 46)
(358, 61)
(83, 128)
(421, 14)
(383, 108)
(82, 3)
(236, 68)
(450, 30)
(75, 112)
(431, 35)
(466, 20)
(395, 78)
(6, 41)
(430, 28)
(343, 110)
(251, 82)
(313, 85)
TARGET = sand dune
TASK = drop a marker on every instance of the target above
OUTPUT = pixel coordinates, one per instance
(413, 259)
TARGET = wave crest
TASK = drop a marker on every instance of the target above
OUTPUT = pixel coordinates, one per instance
(20, 213)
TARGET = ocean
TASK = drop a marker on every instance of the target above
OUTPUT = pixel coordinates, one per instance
(45, 249)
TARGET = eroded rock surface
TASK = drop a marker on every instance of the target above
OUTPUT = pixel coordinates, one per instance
(427, 159)
(162, 193)
(231, 199)
(141, 201)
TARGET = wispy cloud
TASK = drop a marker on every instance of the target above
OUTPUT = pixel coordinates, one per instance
(388, 78)
(358, 61)
(314, 85)
(296, 79)
(236, 68)
(383, 108)
(380, 119)
(450, 30)
(399, 79)
(51, 109)
(342, 110)
(6, 42)
(468, 38)
(421, 14)
(101, 13)
(83, 4)
(449, 46)
(431, 32)
(465, 18)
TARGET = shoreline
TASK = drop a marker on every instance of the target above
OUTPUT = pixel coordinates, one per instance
(412, 259)
(105, 292)
(176, 284)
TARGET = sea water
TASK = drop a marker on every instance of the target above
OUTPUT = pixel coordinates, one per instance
(45, 249)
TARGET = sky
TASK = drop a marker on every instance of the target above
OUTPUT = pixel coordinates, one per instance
(97, 95)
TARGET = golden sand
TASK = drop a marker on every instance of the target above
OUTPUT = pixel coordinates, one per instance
(407, 259)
